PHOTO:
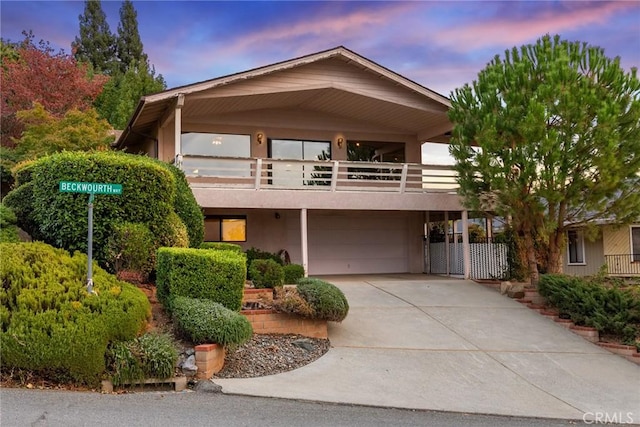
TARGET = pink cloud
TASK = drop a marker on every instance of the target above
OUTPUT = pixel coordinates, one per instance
(516, 31)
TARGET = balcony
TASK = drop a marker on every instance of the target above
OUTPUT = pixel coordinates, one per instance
(317, 176)
(623, 265)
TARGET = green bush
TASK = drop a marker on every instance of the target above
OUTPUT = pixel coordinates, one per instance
(197, 273)
(327, 300)
(205, 321)
(151, 355)
(50, 324)
(149, 196)
(187, 208)
(293, 273)
(131, 248)
(254, 253)
(266, 273)
(8, 228)
(611, 310)
(221, 246)
(288, 300)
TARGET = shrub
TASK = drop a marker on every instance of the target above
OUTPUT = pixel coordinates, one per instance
(289, 301)
(253, 254)
(266, 273)
(131, 248)
(8, 228)
(197, 273)
(327, 300)
(608, 309)
(293, 273)
(50, 324)
(205, 321)
(221, 246)
(187, 208)
(149, 196)
(151, 355)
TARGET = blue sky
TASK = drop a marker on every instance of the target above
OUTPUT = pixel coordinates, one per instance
(438, 44)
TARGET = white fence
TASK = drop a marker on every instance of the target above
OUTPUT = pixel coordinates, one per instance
(488, 260)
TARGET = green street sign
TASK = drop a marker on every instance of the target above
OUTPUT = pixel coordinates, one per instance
(90, 187)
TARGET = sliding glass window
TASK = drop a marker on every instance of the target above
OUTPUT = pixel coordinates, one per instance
(216, 154)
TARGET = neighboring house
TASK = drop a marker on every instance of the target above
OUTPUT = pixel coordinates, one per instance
(319, 156)
(617, 247)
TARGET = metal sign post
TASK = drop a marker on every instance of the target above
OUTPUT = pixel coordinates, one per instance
(91, 188)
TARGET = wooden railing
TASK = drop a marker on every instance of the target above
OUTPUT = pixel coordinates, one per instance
(623, 265)
(329, 175)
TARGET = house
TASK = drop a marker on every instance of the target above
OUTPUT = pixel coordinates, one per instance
(319, 156)
(617, 247)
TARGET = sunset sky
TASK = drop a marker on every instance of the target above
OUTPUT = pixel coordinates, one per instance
(438, 44)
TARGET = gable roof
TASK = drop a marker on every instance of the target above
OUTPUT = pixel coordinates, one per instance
(153, 108)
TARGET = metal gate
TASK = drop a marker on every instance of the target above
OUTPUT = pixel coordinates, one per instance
(488, 260)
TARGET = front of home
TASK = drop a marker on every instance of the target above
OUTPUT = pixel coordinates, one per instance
(319, 156)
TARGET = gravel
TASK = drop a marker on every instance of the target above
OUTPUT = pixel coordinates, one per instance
(271, 354)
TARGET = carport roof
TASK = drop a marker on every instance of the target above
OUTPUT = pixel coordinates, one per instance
(421, 119)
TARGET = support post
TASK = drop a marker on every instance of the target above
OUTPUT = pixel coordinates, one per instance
(446, 242)
(90, 245)
(178, 131)
(427, 253)
(303, 241)
(466, 248)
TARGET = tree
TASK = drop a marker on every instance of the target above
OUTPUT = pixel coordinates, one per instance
(557, 126)
(33, 74)
(129, 49)
(96, 44)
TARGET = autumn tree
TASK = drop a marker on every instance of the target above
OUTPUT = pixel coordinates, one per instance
(33, 74)
(557, 130)
(96, 45)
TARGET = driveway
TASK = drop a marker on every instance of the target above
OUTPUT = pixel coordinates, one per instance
(419, 342)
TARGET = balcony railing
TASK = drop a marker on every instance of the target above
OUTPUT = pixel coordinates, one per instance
(623, 265)
(332, 175)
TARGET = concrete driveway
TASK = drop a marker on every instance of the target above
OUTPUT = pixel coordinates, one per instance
(419, 342)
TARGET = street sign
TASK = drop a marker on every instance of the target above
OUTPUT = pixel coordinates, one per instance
(90, 187)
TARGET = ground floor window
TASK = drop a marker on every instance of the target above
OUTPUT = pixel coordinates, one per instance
(575, 246)
(635, 243)
(225, 229)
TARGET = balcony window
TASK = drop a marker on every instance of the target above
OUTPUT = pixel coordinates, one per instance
(575, 247)
(199, 151)
(225, 229)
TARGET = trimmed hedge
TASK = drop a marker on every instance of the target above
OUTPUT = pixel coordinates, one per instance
(266, 273)
(293, 273)
(205, 321)
(131, 248)
(326, 299)
(149, 196)
(221, 246)
(50, 324)
(197, 273)
(607, 308)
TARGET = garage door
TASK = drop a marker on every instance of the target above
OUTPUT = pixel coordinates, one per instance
(358, 243)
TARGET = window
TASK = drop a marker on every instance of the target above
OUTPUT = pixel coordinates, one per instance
(200, 149)
(225, 229)
(635, 243)
(292, 174)
(575, 246)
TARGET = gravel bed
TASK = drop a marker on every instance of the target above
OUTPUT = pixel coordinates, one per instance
(271, 354)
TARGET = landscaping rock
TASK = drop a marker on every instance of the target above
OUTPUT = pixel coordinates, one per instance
(304, 344)
(208, 387)
(504, 287)
(189, 367)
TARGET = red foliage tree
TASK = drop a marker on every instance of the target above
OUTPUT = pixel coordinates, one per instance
(38, 74)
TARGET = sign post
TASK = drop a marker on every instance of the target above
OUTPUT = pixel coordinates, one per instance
(91, 188)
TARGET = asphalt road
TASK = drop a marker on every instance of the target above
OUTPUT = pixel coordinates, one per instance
(21, 407)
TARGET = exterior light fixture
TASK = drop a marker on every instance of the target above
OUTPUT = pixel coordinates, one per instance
(340, 142)
(259, 137)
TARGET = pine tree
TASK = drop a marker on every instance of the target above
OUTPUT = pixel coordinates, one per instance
(96, 44)
(129, 49)
(557, 126)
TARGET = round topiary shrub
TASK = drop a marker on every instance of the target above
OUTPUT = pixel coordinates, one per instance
(8, 228)
(49, 324)
(293, 273)
(266, 273)
(327, 300)
(205, 321)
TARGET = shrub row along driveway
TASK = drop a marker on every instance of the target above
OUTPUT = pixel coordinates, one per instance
(442, 344)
